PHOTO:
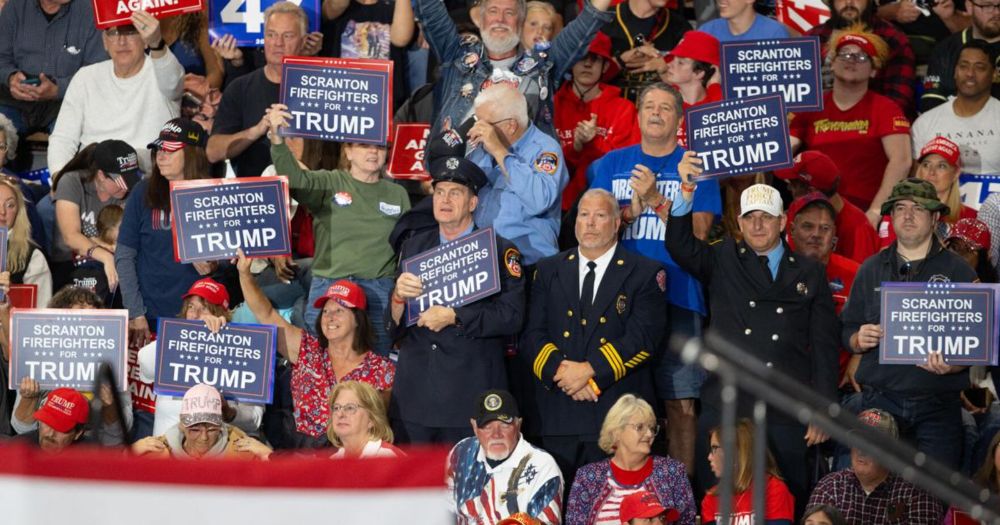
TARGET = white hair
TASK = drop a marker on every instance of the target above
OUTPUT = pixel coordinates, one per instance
(506, 102)
(10, 135)
(290, 9)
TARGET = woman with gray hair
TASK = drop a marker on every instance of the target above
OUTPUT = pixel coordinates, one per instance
(8, 143)
(627, 434)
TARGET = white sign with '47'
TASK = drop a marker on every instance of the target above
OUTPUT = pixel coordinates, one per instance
(244, 19)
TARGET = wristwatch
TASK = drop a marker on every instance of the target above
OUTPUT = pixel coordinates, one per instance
(160, 46)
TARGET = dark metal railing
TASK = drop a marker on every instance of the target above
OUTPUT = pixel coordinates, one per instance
(739, 371)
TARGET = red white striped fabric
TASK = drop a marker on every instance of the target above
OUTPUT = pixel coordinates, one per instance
(97, 486)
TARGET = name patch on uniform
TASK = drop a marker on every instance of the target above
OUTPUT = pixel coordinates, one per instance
(957, 319)
(456, 273)
(547, 162)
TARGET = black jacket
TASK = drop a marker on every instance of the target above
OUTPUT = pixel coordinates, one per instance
(789, 324)
(864, 307)
(619, 337)
(440, 374)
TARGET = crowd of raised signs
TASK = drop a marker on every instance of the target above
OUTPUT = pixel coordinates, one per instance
(820, 142)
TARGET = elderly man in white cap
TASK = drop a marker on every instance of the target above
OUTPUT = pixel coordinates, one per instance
(770, 301)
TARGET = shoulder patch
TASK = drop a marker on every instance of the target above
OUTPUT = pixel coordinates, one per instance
(547, 162)
(661, 280)
(512, 260)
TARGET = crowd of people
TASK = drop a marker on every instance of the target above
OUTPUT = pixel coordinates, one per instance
(561, 127)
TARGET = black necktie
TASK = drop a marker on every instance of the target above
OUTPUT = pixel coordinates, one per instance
(587, 295)
(767, 267)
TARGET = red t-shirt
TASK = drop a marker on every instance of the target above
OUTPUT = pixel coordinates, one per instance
(856, 239)
(886, 234)
(617, 127)
(713, 93)
(779, 503)
(853, 139)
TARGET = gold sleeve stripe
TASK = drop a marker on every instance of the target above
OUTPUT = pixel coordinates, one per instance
(542, 358)
(637, 359)
(614, 359)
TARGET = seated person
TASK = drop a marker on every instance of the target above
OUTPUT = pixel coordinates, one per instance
(359, 426)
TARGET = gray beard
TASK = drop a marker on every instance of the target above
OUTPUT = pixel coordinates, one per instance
(500, 46)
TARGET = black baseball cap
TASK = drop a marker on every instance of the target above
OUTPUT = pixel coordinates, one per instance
(178, 133)
(449, 143)
(118, 161)
(496, 405)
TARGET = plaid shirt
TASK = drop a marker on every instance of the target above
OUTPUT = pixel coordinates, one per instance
(894, 501)
(895, 79)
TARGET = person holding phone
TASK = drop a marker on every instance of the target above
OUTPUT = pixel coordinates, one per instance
(34, 74)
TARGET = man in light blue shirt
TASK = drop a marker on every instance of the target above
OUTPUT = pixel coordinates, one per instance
(739, 22)
(526, 170)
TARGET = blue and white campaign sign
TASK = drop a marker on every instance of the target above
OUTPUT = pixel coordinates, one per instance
(957, 319)
(244, 19)
(735, 137)
(789, 67)
(338, 99)
(211, 218)
(975, 188)
(65, 348)
(238, 360)
(456, 273)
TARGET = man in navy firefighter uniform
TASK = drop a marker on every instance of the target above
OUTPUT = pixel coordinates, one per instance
(595, 321)
(773, 303)
(452, 354)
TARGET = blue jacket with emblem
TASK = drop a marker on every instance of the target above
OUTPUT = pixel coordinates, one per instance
(618, 337)
(465, 65)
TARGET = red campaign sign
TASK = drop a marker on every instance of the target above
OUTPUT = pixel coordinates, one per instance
(407, 159)
(802, 15)
(111, 13)
(23, 295)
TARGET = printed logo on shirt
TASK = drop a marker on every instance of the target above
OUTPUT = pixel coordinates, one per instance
(826, 125)
(547, 162)
(899, 123)
(342, 198)
(389, 209)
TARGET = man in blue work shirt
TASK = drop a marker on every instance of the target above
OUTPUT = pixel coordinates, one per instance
(42, 45)
(643, 177)
(469, 66)
(526, 170)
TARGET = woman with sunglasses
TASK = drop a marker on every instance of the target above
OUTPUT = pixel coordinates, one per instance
(627, 434)
(359, 426)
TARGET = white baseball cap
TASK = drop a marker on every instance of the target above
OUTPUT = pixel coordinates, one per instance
(761, 197)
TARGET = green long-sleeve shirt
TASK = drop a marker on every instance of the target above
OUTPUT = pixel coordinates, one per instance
(351, 219)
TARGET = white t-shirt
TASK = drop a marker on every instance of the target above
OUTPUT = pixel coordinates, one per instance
(978, 136)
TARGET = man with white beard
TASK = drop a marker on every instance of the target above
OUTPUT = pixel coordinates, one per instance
(498, 473)
(470, 65)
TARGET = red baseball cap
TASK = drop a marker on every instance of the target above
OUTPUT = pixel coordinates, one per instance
(815, 168)
(347, 293)
(64, 409)
(858, 40)
(644, 504)
(796, 206)
(601, 46)
(209, 290)
(696, 45)
(974, 232)
(948, 150)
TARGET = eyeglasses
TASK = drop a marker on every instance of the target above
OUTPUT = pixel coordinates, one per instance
(349, 409)
(986, 7)
(120, 32)
(857, 58)
(714, 449)
(642, 428)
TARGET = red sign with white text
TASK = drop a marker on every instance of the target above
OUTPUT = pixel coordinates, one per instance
(802, 15)
(407, 160)
(111, 13)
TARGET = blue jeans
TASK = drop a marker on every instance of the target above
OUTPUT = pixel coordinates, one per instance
(376, 292)
(674, 379)
(932, 422)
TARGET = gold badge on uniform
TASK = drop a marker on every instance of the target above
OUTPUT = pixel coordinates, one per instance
(620, 304)
(802, 289)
